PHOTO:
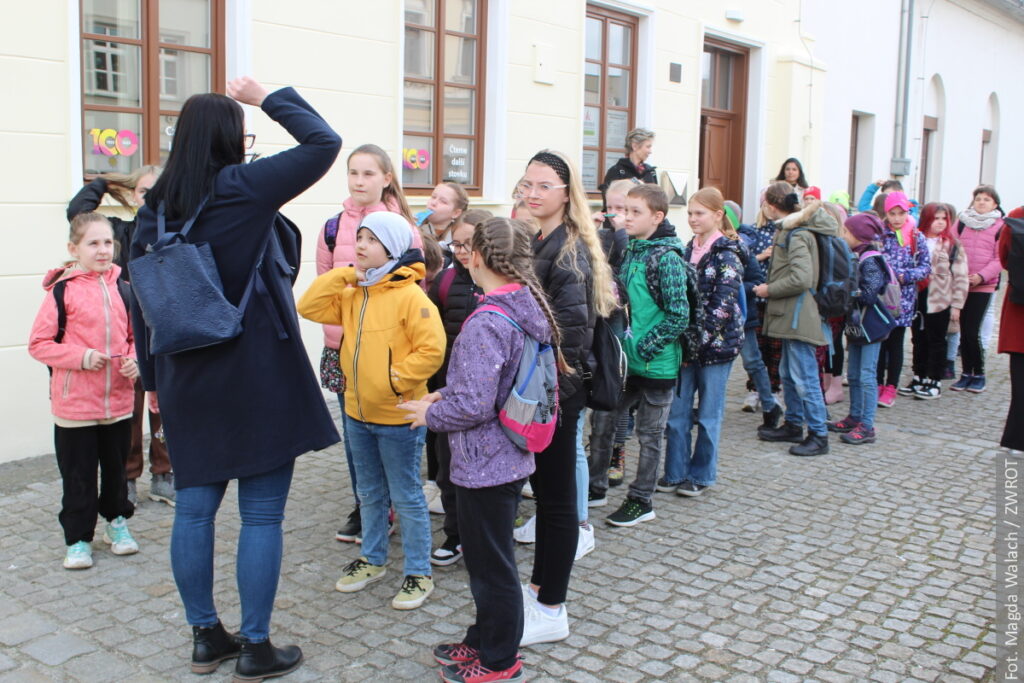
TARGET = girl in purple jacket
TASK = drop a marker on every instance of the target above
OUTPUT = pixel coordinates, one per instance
(488, 470)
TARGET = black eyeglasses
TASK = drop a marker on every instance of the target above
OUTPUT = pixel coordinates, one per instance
(250, 140)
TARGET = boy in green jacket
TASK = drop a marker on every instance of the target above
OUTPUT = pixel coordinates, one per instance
(658, 315)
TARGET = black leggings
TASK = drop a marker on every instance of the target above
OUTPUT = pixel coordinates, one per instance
(971, 352)
(890, 358)
(1013, 432)
(928, 335)
(554, 486)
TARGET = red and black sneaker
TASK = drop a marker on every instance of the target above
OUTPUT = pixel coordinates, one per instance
(475, 672)
(455, 653)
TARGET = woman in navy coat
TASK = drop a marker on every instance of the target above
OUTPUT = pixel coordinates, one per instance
(243, 409)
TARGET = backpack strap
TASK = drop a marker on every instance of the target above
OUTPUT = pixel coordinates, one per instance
(445, 284)
(497, 310)
(62, 311)
(331, 231)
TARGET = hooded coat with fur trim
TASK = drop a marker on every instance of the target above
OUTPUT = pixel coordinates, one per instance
(790, 311)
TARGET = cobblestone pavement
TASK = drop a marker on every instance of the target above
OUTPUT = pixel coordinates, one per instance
(871, 563)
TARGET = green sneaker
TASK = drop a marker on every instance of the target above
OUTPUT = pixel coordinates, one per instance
(357, 575)
(119, 538)
(78, 556)
(632, 512)
(415, 590)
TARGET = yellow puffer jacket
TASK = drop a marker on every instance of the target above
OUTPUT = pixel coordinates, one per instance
(394, 339)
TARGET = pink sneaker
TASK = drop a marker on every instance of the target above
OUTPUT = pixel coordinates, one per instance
(887, 396)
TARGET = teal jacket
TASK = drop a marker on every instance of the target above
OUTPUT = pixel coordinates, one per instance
(651, 341)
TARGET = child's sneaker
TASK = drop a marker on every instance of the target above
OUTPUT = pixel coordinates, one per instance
(911, 388)
(448, 553)
(928, 390)
(352, 529)
(847, 424)
(455, 653)
(161, 488)
(617, 466)
(887, 397)
(475, 672)
(632, 512)
(586, 542)
(962, 383)
(751, 403)
(858, 435)
(414, 592)
(78, 556)
(977, 384)
(119, 538)
(527, 533)
(358, 574)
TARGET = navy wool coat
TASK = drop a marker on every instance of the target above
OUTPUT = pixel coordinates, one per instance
(253, 404)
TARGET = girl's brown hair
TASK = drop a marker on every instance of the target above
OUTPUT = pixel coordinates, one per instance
(121, 185)
(433, 257)
(711, 198)
(580, 228)
(393, 192)
(474, 217)
(781, 196)
(504, 246)
(461, 198)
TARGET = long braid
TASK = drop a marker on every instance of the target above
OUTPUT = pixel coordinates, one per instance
(504, 245)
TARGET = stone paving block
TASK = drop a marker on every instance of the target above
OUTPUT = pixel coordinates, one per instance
(24, 627)
(57, 648)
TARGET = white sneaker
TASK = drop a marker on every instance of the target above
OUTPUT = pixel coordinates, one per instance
(586, 543)
(527, 533)
(527, 490)
(119, 538)
(751, 403)
(430, 492)
(538, 627)
(78, 556)
(436, 505)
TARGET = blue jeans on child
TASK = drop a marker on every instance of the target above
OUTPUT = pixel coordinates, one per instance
(684, 461)
(261, 501)
(750, 352)
(801, 386)
(862, 361)
(387, 460)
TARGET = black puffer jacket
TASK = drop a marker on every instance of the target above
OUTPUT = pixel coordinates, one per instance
(624, 168)
(88, 199)
(571, 301)
(614, 243)
(455, 306)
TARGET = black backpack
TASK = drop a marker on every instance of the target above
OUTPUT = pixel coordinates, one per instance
(607, 381)
(838, 275)
(692, 336)
(1015, 263)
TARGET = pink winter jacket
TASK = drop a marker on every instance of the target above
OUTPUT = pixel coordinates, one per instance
(982, 255)
(96, 320)
(344, 255)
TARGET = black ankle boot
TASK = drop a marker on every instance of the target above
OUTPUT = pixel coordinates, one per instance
(790, 432)
(211, 646)
(262, 660)
(771, 417)
(812, 445)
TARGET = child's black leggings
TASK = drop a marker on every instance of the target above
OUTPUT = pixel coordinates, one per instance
(79, 451)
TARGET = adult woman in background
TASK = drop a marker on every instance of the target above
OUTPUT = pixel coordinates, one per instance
(246, 408)
(639, 143)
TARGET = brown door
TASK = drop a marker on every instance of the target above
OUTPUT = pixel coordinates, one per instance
(723, 118)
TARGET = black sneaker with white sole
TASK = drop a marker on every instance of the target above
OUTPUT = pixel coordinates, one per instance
(352, 528)
(596, 500)
(632, 512)
(690, 489)
(447, 554)
(663, 485)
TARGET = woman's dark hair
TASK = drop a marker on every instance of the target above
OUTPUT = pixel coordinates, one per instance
(990, 190)
(209, 136)
(781, 196)
(801, 181)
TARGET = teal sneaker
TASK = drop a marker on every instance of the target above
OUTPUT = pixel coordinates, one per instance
(119, 538)
(78, 556)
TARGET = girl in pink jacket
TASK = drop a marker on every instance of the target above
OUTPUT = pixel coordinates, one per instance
(82, 331)
(373, 186)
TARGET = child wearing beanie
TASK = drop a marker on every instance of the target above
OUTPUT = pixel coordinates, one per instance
(866, 326)
(394, 341)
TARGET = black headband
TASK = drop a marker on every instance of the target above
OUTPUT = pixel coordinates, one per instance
(553, 161)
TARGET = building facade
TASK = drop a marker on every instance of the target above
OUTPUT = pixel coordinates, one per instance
(469, 90)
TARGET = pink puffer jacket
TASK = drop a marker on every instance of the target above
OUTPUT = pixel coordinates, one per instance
(97, 320)
(982, 254)
(344, 255)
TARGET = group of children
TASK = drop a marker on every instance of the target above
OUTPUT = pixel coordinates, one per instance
(412, 367)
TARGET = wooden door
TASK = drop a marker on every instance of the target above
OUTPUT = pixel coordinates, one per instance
(723, 118)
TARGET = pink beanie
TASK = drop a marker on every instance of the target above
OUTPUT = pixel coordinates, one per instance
(894, 199)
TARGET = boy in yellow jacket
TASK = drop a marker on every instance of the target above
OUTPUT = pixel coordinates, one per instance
(394, 340)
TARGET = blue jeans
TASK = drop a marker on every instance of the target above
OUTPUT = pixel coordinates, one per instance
(750, 353)
(697, 463)
(387, 461)
(348, 451)
(582, 469)
(862, 360)
(801, 386)
(261, 501)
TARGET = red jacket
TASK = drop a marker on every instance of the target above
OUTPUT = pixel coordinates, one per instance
(1011, 324)
(97, 320)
